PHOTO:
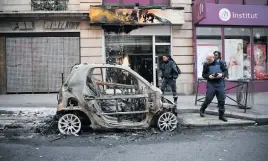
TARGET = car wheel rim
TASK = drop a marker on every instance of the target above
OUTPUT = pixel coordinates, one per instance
(167, 122)
(69, 124)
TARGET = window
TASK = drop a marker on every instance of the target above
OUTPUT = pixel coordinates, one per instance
(208, 41)
(230, 1)
(211, 1)
(46, 5)
(260, 53)
(141, 2)
(256, 2)
(134, 51)
(162, 39)
(237, 52)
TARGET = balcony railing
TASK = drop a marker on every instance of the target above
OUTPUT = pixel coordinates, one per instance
(49, 5)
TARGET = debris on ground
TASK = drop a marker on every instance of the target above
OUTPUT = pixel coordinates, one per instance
(48, 126)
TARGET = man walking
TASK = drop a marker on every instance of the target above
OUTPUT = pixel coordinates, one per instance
(170, 73)
(214, 72)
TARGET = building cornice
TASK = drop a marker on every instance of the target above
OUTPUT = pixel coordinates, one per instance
(35, 15)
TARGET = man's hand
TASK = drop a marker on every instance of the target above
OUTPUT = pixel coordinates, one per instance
(211, 76)
(219, 75)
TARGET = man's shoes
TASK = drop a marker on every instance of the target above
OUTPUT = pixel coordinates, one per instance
(202, 112)
(175, 100)
(221, 116)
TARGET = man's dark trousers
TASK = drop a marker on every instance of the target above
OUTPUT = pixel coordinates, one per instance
(217, 89)
(172, 84)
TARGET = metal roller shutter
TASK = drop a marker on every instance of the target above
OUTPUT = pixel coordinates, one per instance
(2, 66)
(35, 64)
(40, 64)
(71, 54)
(11, 65)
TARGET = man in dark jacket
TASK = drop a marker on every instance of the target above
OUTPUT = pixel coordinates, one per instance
(217, 56)
(214, 72)
(170, 73)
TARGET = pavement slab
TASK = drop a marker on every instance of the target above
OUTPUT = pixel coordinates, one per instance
(194, 120)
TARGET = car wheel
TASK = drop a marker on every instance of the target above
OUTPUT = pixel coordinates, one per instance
(69, 124)
(167, 121)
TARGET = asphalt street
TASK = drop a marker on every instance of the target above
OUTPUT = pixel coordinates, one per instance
(205, 144)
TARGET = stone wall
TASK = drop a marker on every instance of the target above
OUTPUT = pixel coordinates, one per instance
(91, 43)
(182, 49)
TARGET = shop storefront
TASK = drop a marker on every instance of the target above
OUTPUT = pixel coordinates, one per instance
(137, 37)
(36, 54)
(240, 33)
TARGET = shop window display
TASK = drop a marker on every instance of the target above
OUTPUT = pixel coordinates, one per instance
(133, 51)
(208, 41)
(260, 53)
(237, 41)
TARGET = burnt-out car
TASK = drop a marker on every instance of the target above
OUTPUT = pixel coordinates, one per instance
(111, 97)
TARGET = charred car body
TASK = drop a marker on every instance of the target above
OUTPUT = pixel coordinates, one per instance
(111, 97)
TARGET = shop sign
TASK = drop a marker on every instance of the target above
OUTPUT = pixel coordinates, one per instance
(102, 15)
(61, 25)
(199, 10)
(22, 25)
(230, 14)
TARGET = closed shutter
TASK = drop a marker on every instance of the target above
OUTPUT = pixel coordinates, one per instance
(11, 65)
(2, 66)
(40, 64)
(71, 54)
(55, 62)
(35, 64)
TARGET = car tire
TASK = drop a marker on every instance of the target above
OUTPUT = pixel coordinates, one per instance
(167, 121)
(69, 124)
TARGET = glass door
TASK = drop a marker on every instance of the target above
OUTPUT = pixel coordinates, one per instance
(161, 47)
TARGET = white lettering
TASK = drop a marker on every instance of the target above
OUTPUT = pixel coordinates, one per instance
(225, 15)
(245, 15)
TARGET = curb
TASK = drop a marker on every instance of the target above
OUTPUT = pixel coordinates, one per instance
(194, 120)
(181, 111)
(259, 119)
(219, 125)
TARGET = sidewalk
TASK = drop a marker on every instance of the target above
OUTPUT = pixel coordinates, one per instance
(28, 100)
(258, 113)
(26, 110)
(15, 108)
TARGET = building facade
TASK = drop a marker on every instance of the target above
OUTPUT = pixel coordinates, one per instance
(238, 29)
(40, 40)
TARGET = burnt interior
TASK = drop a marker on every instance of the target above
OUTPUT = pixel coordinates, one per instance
(125, 105)
(72, 102)
(118, 84)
